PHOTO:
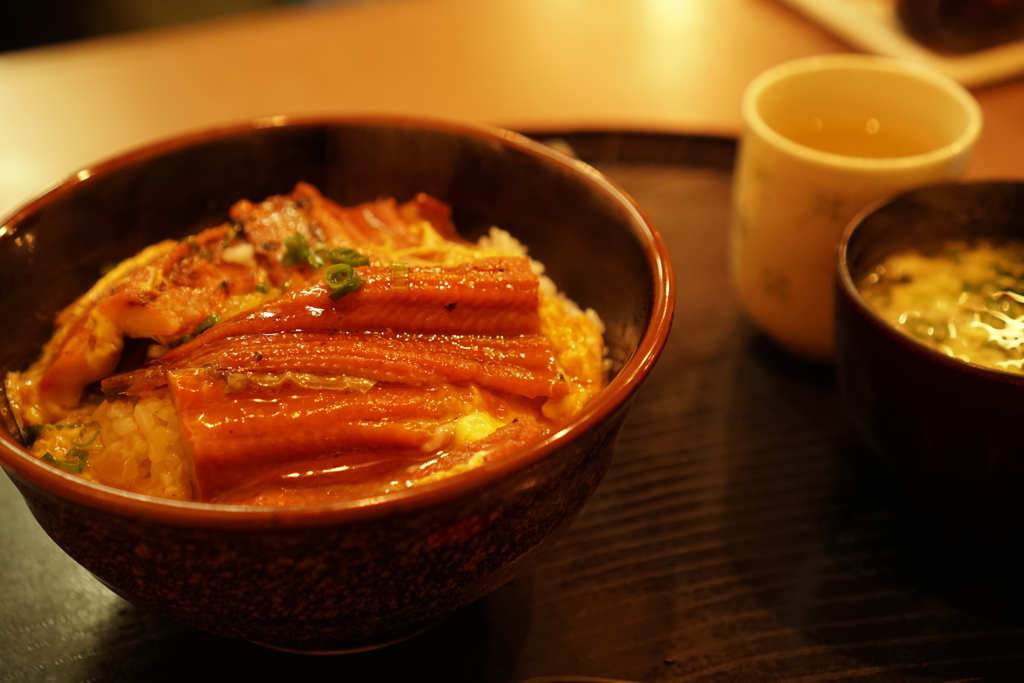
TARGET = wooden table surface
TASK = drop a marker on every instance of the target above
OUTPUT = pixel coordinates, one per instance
(670, 65)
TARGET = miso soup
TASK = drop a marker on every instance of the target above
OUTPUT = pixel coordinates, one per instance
(966, 300)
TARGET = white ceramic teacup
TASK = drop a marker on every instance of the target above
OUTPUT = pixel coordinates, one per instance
(824, 137)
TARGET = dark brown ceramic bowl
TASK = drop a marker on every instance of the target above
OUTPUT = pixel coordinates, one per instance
(347, 575)
(951, 430)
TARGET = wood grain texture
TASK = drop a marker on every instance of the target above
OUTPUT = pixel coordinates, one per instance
(743, 532)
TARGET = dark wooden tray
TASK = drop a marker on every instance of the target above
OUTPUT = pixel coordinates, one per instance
(743, 532)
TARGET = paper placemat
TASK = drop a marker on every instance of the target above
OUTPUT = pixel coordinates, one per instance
(872, 26)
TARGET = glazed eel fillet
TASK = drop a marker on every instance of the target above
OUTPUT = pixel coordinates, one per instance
(302, 332)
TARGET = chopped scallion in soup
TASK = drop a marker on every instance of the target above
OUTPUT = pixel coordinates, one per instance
(966, 301)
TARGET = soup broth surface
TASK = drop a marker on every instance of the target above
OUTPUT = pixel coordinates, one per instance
(966, 301)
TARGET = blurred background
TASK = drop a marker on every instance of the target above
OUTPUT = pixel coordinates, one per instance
(34, 23)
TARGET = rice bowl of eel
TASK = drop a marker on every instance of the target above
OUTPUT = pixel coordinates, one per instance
(325, 572)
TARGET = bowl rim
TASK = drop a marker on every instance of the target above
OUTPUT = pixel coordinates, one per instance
(23, 468)
(848, 288)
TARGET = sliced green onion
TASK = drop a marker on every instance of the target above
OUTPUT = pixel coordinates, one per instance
(342, 279)
(208, 322)
(95, 435)
(344, 255)
(33, 432)
(77, 455)
(68, 466)
(400, 275)
(262, 287)
(296, 250)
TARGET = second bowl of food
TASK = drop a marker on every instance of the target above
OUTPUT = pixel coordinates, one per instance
(318, 383)
(930, 339)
